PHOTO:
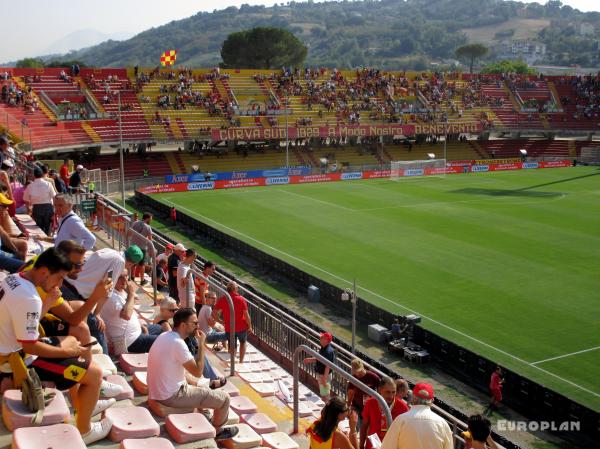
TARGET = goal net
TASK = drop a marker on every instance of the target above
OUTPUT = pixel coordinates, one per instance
(411, 169)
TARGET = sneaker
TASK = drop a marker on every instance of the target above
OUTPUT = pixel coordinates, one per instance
(99, 431)
(227, 433)
(110, 390)
(102, 405)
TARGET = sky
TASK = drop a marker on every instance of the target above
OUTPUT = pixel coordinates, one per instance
(37, 24)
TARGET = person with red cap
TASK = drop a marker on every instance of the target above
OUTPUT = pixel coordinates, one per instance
(420, 427)
(322, 371)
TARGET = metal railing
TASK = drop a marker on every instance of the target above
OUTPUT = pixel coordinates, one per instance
(334, 368)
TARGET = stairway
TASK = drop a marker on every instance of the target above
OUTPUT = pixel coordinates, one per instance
(19, 82)
(91, 132)
(483, 154)
(173, 163)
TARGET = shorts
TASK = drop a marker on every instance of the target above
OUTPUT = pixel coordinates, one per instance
(324, 390)
(65, 373)
(496, 394)
(54, 328)
(241, 336)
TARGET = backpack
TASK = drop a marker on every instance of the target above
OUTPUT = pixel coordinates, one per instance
(35, 397)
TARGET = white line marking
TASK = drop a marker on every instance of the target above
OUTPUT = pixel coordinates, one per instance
(318, 201)
(518, 359)
(566, 355)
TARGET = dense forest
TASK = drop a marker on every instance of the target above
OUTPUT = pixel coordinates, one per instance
(391, 34)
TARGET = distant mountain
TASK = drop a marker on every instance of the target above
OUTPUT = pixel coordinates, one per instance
(390, 34)
(80, 39)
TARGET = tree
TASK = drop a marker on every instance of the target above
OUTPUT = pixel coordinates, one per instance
(508, 66)
(30, 63)
(262, 48)
(471, 52)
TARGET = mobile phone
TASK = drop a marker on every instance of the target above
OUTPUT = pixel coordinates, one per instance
(88, 345)
(109, 274)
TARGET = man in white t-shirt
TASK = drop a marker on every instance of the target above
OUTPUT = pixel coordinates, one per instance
(121, 318)
(186, 289)
(168, 363)
(57, 359)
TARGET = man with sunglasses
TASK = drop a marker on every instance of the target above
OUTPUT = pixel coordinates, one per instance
(171, 365)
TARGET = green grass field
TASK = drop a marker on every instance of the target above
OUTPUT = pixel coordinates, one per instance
(506, 263)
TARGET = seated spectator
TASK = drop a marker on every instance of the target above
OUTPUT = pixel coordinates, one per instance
(214, 331)
(162, 280)
(321, 370)
(123, 327)
(373, 421)
(164, 318)
(59, 359)
(324, 432)
(479, 433)
(355, 397)
(70, 225)
(168, 251)
(168, 363)
(14, 242)
(419, 427)
(243, 324)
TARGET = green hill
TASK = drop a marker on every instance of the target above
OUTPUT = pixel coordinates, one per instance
(390, 34)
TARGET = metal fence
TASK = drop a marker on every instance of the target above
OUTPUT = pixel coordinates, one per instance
(276, 332)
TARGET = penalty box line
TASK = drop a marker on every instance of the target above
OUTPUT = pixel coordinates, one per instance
(439, 323)
(566, 355)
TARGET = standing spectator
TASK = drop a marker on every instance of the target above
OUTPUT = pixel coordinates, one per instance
(419, 427)
(75, 181)
(496, 383)
(70, 225)
(170, 360)
(185, 279)
(373, 419)
(142, 237)
(166, 254)
(39, 197)
(355, 396)
(324, 432)
(479, 433)
(243, 324)
(64, 172)
(60, 185)
(172, 264)
(403, 392)
(174, 216)
(122, 324)
(59, 360)
(326, 350)
(202, 285)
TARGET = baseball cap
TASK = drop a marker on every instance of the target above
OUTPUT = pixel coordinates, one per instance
(4, 200)
(179, 247)
(79, 167)
(424, 391)
(134, 254)
(326, 335)
(169, 246)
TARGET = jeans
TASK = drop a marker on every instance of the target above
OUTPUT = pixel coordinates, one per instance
(215, 336)
(9, 262)
(208, 371)
(96, 333)
(144, 342)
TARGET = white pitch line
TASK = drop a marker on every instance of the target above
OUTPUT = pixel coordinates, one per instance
(566, 355)
(514, 357)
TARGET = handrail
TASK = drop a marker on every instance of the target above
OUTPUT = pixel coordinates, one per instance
(337, 369)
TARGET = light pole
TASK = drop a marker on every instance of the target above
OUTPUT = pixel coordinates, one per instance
(350, 295)
(121, 152)
(287, 137)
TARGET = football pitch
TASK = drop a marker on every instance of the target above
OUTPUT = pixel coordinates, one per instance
(506, 264)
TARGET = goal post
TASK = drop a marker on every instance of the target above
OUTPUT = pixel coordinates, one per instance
(411, 169)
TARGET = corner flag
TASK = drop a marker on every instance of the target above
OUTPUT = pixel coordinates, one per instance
(168, 57)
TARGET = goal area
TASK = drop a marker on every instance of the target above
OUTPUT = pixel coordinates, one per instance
(412, 169)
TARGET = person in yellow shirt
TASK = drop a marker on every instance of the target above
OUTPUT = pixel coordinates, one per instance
(324, 432)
